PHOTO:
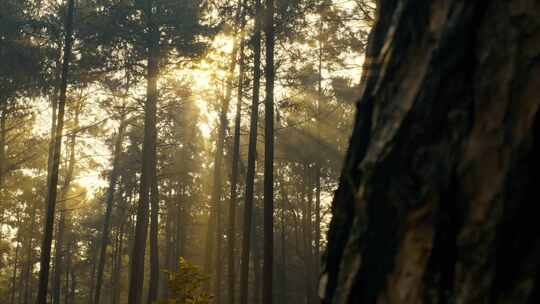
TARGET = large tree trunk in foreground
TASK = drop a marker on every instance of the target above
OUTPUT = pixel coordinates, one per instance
(53, 180)
(438, 201)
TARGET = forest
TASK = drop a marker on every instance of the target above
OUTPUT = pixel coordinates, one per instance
(269, 151)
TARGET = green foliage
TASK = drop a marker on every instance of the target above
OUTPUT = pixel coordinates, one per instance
(186, 284)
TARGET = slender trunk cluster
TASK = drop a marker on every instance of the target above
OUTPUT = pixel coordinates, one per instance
(252, 151)
(231, 232)
(53, 181)
(148, 164)
(113, 178)
(61, 229)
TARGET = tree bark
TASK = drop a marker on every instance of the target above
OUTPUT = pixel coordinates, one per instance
(252, 151)
(53, 182)
(268, 259)
(437, 195)
(109, 198)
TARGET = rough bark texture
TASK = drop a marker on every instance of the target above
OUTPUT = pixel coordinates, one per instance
(437, 200)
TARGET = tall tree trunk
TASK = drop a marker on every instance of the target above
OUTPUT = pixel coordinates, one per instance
(154, 226)
(283, 273)
(308, 236)
(73, 288)
(136, 278)
(217, 186)
(438, 192)
(231, 233)
(252, 151)
(15, 265)
(3, 113)
(268, 260)
(256, 253)
(28, 267)
(94, 257)
(317, 265)
(58, 257)
(169, 242)
(68, 270)
(216, 193)
(318, 166)
(109, 199)
(53, 181)
(116, 275)
(59, 245)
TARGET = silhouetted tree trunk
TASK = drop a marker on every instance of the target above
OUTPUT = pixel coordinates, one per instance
(109, 199)
(29, 261)
(252, 151)
(307, 229)
(318, 166)
(256, 253)
(154, 254)
(148, 161)
(53, 182)
(61, 229)
(118, 263)
(3, 113)
(73, 286)
(231, 232)
(438, 195)
(283, 273)
(171, 216)
(15, 263)
(268, 260)
(94, 257)
(66, 274)
(218, 163)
